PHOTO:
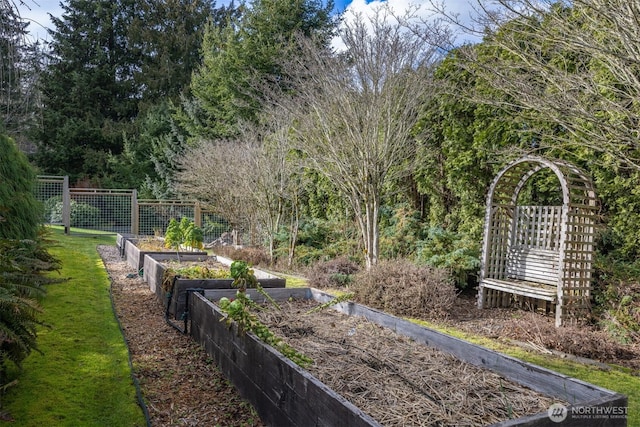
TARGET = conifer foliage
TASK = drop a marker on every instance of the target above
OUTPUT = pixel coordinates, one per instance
(15, 94)
(20, 213)
(109, 63)
(23, 257)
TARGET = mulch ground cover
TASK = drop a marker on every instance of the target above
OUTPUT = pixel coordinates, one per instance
(395, 380)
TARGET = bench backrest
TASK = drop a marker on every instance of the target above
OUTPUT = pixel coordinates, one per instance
(533, 265)
(533, 253)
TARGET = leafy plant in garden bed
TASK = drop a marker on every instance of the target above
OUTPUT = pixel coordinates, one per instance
(183, 233)
(239, 310)
(197, 271)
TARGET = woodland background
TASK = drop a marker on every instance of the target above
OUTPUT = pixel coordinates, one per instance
(326, 137)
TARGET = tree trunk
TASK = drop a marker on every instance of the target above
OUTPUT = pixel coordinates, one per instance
(370, 233)
(293, 233)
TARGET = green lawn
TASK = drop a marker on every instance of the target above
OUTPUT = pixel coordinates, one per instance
(83, 377)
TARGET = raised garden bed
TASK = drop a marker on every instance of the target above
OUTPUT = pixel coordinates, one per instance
(175, 298)
(285, 394)
(131, 249)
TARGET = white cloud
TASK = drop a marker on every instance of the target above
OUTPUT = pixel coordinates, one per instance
(462, 8)
(424, 9)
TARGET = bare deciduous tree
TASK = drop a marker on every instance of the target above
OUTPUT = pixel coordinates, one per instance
(355, 112)
(252, 181)
(216, 173)
(573, 63)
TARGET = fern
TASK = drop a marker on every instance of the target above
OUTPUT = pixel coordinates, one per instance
(22, 267)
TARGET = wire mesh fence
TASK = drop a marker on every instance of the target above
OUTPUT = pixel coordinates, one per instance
(154, 217)
(120, 211)
(102, 209)
(51, 191)
(217, 229)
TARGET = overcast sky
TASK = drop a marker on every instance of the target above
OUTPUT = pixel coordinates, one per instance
(36, 12)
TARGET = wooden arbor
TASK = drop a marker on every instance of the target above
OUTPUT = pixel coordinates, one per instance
(539, 255)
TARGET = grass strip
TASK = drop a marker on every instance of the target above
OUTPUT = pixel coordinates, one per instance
(83, 377)
(615, 378)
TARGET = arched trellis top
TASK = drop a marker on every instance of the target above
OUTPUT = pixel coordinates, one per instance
(540, 255)
(577, 187)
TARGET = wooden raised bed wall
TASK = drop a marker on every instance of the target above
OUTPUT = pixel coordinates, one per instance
(153, 272)
(286, 395)
(282, 393)
(126, 244)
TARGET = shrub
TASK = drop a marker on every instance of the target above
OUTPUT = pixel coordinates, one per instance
(81, 214)
(617, 298)
(583, 341)
(400, 230)
(53, 210)
(402, 288)
(451, 251)
(20, 212)
(336, 273)
(318, 240)
(84, 215)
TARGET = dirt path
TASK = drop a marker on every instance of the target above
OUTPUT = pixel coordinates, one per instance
(180, 384)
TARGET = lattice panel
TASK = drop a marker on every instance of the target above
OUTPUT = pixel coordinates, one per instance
(548, 246)
(537, 227)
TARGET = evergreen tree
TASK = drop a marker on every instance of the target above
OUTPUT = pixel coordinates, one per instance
(20, 213)
(111, 61)
(12, 31)
(164, 142)
(566, 72)
(18, 63)
(465, 144)
(23, 257)
(167, 36)
(89, 93)
(248, 50)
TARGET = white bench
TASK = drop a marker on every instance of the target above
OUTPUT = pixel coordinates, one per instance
(530, 272)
